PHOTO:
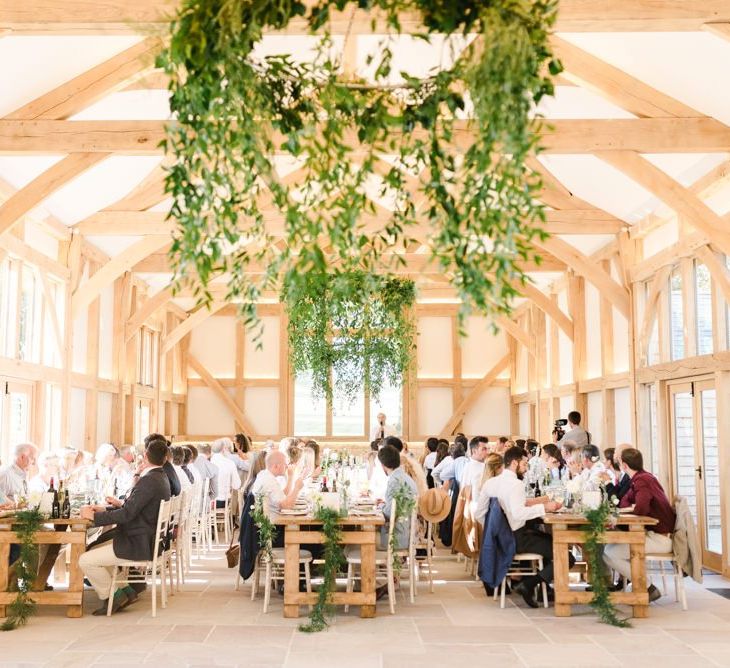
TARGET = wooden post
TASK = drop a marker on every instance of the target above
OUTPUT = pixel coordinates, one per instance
(92, 369)
(577, 306)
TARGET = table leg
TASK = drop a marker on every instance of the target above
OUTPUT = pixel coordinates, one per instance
(637, 552)
(367, 574)
(4, 566)
(76, 580)
(561, 568)
(291, 574)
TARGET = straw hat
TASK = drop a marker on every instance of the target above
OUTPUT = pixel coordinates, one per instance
(435, 505)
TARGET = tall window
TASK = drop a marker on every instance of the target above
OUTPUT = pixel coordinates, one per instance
(310, 414)
(652, 350)
(703, 301)
(676, 316)
(29, 315)
(651, 391)
(147, 368)
(53, 416)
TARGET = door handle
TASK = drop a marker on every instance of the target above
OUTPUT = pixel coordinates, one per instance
(699, 471)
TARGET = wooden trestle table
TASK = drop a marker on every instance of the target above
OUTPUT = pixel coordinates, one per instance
(303, 530)
(568, 530)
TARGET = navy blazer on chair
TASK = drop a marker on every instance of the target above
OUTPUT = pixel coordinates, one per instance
(248, 539)
(498, 546)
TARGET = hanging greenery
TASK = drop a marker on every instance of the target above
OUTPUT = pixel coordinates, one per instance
(334, 560)
(352, 330)
(309, 175)
(25, 523)
(264, 525)
(405, 502)
(598, 519)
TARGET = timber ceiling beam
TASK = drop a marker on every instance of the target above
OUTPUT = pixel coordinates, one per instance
(146, 311)
(622, 89)
(187, 326)
(129, 16)
(106, 275)
(548, 307)
(719, 28)
(588, 269)
(85, 89)
(644, 135)
(54, 178)
(673, 194)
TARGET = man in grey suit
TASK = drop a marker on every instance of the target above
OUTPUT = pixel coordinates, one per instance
(136, 523)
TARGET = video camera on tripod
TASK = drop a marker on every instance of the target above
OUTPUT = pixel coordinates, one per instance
(558, 431)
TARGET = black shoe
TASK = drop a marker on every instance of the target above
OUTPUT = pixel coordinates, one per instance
(654, 594)
(132, 596)
(280, 589)
(527, 591)
(381, 592)
(138, 587)
(120, 600)
(489, 590)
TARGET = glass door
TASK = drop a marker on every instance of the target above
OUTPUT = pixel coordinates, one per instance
(15, 415)
(693, 415)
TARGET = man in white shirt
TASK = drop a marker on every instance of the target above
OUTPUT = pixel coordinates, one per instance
(509, 488)
(49, 467)
(593, 467)
(14, 478)
(381, 430)
(228, 478)
(471, 474)
(266, 483)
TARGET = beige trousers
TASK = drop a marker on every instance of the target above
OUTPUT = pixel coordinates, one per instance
(617, 556)
(97, 566)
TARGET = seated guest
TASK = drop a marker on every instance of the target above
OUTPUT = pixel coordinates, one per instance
(620, 486)
(228, 478)
(509, 488)
(14, 477)
(136, 522)
(593, 468)
(49, 468)
(612, 468)
(429, 461)
(258, 464)
(124, 469)
(473, 472)
(242, 452)
(178, 459)
(414, 470)
(187, 460)
(645, 496)
(266, 483)
(194, 470)
(554, 461)
(447, 470)
(314, 447)
(208, 469)
(167, 467)
(305, 466)
(105, 459)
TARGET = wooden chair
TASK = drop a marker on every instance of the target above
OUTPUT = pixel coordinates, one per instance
(523, 564)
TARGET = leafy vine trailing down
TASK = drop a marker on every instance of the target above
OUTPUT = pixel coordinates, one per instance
(264, 525)
(405, 502)
(26, 523)
(445, 155)
(601, 602)
(334, 560)
(349, 328)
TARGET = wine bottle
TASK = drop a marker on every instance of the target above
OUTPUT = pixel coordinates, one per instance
(66, 506)
(56, 507)
(51, 487)
(324, 484)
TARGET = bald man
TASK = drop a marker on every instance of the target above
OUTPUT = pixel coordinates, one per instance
(266, 483)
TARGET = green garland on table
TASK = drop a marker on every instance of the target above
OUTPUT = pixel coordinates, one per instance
(264, 525)
(26, 524)
(601, 602)
(334, 559)
(405, 502)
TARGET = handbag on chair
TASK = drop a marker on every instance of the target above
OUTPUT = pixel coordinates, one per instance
(233, 552)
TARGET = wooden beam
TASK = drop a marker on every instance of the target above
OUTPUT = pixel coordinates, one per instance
(90, 86)
(125, 223)
(548, 307)
(54, 178)
(213, 384)
(718, 271)
(672, 193)
(591, 221)
(146, 311)
(516, 332)
(52, 309)
(130, 16)
(718, 28)
(149, 192)
(468, 401)
(650, 307)
(18, 248)
(187, 326)
(584, 266)
(644, 135)
(87, 292)
(622, 89)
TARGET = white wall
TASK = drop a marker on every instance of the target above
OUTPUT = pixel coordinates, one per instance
(524, 419)
(481, 349)
(433, 347)
(207, 414)
(104, 418)
(593, 334)
(106, 333)
(594, 421)
(262, 362)
(77, 409)
(488, 414)
(435, 406)
(565, 345)
(213, 344)
(622, 401)
(262, 409)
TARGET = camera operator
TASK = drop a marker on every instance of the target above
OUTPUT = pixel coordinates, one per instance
(575, 432)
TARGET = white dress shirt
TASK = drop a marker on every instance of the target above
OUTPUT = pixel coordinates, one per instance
(13, 482)
(472, 475)
(387, 429)
(182, 476)
(444, 470)
(228, 477)
(591, 475)
(510, 491)
(267, 484)
(430, 460)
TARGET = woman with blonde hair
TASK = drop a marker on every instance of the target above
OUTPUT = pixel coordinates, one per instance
(258, 464)
(493, 466)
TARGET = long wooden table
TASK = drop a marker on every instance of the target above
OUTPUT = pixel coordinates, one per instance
(567, 531)
(67, 532)
(304, 530)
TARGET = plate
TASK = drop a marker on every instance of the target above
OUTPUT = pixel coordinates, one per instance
(365, 513)
(293, 511)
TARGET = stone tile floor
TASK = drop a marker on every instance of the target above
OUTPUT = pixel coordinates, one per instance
(210, 624)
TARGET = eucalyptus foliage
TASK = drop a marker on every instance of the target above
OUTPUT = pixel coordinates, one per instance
(354, 329)
(443, 154)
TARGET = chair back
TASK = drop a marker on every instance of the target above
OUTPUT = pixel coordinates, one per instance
(161, 532)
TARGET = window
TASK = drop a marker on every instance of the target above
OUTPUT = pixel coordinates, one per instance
(53, 417)
(676, 316)
(29, 315)
(651, 391)
(390, 403)
(147, 356)
(310, 414)
(9, 308)
(652, 349)
(703, 301)
(142, 421)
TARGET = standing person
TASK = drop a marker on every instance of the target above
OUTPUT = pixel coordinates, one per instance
(645, 496)
(228, 478)
(381, 430)
(509, 488)
(136, 522)
(575, 432)
(208, 470)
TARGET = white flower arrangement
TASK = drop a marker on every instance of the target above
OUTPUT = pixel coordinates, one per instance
(574, 486)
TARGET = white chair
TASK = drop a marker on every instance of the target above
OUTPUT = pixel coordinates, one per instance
(384, 560)
(427, 544)
(180, 537)
(274, 572)
(523, 564)
(222, 516)
(668, 558)
(155, 567)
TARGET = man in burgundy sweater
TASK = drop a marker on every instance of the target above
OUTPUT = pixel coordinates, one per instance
(645, 497)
